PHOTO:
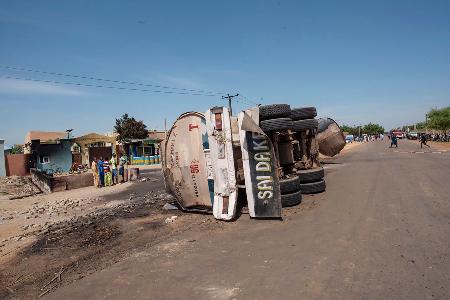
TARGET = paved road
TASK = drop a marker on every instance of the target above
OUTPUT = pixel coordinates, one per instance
(381, 231)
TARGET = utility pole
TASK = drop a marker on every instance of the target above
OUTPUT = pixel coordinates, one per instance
(229, 101)
(165, 128)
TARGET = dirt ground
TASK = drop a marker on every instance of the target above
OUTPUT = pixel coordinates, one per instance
(380, 231)
(48, 241)
(348, 147)
(83, 228)
(15, 187)
(440, 145)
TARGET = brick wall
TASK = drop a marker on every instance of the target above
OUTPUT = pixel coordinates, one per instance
(17, 164)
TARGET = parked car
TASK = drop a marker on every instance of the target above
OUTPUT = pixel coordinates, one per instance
(412, 135)
(267, 156)
(349, 138)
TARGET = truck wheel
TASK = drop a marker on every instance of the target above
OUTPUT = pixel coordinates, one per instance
(291, 199)
(276, 124)
(313, 187)
(311, 175)
(303, 113)
(290, 185)
(302, 125)
(274, 111)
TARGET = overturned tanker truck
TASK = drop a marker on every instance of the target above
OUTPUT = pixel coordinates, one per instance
(265, 158)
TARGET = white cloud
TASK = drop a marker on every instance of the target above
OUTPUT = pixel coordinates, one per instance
(180, 81)
(17, 86)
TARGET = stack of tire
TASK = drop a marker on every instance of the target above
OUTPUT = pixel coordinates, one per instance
(303, 120)
(277, 118)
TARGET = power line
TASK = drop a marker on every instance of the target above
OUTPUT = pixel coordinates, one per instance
(230, 97)
(106, 87)
(110, 80)
(248, 101)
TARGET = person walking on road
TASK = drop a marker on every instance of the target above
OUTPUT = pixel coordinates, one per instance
(95, 172)
(423, 141)
(113, 165)
(107, 170)
(393, 141)
(101, 173)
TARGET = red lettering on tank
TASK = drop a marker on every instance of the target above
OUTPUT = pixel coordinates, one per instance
(192, 126)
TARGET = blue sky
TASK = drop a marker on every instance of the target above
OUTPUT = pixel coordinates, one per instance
(356, 61)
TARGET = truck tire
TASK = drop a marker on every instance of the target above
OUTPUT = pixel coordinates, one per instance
(274, 111)
(279, 124)
(302, 125)
(313, 187)
(290, 185)
(303, 113)
(291, 199)
(311, 175)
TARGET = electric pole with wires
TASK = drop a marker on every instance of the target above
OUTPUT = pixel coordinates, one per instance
(229, 97)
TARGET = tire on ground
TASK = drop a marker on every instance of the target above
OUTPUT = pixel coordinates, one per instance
(311, 175)
(301, 125)
(290, 185)
(276, 124)
(291, 199)
(313, 187)
(303, 113)
(274, 111)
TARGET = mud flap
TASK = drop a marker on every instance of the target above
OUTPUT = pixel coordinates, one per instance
(260, 168)
(218, 125)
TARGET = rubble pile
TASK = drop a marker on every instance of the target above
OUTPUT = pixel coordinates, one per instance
(139, 205)
(16, 187)
(57, 208)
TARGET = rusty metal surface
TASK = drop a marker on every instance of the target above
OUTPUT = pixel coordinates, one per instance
(185, 162)
(330, 138)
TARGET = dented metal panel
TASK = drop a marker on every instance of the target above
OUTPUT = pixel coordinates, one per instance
(260, 168)
(186, 162)
(218, 125)
(330, 138)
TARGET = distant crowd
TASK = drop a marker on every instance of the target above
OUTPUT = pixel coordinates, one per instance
(105, 170)
(436, 137)
(368, 138)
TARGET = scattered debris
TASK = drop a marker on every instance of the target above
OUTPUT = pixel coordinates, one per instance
(170, 206)
(16, 187)
(170, 219)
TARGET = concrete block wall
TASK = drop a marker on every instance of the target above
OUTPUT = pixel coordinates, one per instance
(50, 184)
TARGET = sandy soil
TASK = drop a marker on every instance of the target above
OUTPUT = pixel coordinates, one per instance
(440, 145)
(380, 231)
(76, 233)
(348, 147)
(15, 187)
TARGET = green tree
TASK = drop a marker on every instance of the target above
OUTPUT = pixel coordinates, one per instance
(439, 119)
(421, 125)
(346, 128)
(372, 129)
(16, 149)
(129, 128)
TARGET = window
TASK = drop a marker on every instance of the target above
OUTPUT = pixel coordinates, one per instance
(44, 159)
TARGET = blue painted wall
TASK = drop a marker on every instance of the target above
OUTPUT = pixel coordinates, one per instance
(60, 156)
(2, 158)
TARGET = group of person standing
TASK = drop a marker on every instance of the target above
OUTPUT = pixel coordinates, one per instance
(105, 170)
(394, 141)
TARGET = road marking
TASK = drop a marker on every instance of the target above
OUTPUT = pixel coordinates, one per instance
(420, 152)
